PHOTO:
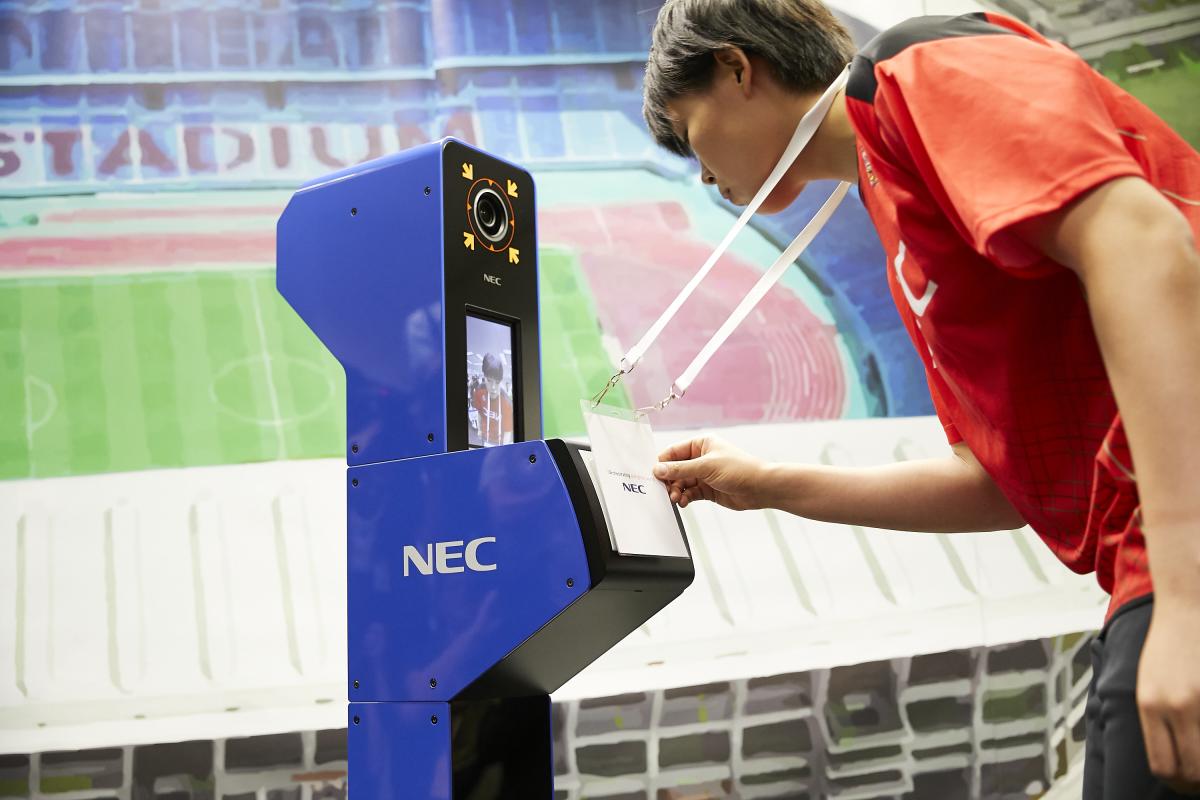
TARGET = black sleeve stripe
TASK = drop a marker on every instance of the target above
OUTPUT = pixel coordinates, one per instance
(862, 84)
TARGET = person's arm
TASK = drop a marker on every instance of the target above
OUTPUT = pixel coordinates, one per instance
(937, 495)
(1136, 256)
(946, 495)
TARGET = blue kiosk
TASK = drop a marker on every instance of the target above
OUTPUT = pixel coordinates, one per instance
(482, 573)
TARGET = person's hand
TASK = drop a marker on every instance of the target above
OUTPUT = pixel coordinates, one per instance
(1168, 695)
(708, 468)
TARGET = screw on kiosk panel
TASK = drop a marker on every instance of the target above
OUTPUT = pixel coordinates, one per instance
(356, 720)
(356, 684)
(354, 212)
(433, 719)
(427, 191)
(430, 437)
(532, 459)
(354, 482)
(354, 448)
(570, 583)
(433, 683)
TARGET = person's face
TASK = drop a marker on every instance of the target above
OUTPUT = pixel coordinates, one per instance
(738, 128)
(493, 385)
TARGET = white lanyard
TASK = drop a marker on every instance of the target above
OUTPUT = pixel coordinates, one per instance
(759, 290)
(804, 132)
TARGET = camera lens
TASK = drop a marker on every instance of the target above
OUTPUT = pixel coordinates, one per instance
(491, 217)
(487, 212)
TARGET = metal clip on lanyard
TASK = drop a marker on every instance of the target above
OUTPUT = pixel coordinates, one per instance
(608, 387)
(804, 132)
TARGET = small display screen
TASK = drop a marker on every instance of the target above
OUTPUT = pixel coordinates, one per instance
(491, 417)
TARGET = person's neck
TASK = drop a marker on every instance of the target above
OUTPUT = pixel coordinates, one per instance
(832, 153)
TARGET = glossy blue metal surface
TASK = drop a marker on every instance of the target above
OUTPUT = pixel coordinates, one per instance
(396, 751)
(359, 257)
(405, 631)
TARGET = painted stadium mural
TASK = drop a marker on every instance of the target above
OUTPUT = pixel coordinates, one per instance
(126, 128)
(147, 148)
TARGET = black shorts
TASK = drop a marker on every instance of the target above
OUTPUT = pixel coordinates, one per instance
(1115, 766)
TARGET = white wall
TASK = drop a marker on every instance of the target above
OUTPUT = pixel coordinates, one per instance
(147, 604)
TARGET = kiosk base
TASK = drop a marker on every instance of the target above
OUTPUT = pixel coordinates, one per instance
(461, 750)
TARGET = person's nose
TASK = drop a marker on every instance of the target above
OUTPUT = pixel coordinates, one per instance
(707, 177)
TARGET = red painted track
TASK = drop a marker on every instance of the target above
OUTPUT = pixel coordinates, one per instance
(782, 364)
(142, 214)
(160, 250)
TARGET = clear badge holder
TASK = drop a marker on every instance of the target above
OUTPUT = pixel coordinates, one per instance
(639, 512)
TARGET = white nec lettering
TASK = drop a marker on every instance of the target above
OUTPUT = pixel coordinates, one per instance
(492, 279)
(918, 306)
(636, 488)
(438, 556)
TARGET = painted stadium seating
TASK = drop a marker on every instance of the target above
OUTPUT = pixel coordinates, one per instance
(110, 36)
(848, 265)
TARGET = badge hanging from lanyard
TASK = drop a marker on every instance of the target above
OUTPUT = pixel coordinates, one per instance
(636, 506)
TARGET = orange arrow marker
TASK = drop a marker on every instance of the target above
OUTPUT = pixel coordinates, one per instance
(514, 255)
(468, 171)
(468, 240)
(512, 189)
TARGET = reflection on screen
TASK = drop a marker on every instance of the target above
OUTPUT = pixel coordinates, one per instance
(490, 419)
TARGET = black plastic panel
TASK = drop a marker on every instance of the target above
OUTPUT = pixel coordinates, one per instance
(495, 281)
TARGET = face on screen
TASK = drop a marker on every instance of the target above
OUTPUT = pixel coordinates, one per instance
(490, 417)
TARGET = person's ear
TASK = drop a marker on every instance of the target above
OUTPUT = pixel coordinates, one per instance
(733, 63)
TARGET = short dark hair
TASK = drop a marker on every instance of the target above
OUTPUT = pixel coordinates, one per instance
(802, 42)
(493, 367)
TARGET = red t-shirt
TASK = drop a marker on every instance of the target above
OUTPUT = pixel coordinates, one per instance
(495, 415)
(965, 126)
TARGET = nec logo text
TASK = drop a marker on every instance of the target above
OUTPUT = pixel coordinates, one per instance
(495, 280)
(440, 557)
(636, 488)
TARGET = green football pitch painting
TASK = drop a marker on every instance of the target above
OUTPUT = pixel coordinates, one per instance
(106, 373)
